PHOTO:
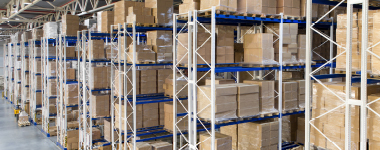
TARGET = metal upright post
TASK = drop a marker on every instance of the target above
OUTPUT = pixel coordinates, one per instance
(348, 77)
(363, 84)
(192, 61)
(213, 43)
(280, 83)
(309, 4)
(331, 44)
(238, 35)
(120, 81)
(174, 81)
(134, 84)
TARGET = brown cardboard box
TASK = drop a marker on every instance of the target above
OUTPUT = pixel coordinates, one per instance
(186, 7)
(70, 74)
(222, 141)
(101, 77)
(181, 89)
(119, 78)
(107, 21)
(141, 146)
(262, 40)
(162, 74)
(227, 5)
(37, 34)
(203, 51)
(150, 115)
(231, 130)
(160, 145)
(100, 105)
(182, 121)
(70, 52)
(162, 10)
(258, 138)
(220, 81)
(225, 100)
(139, 116)
(70, 24)
(267, 101)
(97, 50)
(71, 94)
(148, 81)
(108, 131)
(257, 6)
(121, 7)
(144, 53)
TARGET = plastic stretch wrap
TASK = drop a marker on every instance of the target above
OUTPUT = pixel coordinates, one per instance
(301, 48)
(100, 77)
(162, 74)
(111, 51)
(161, 42)
(71, 94)
(181, 88)
(342, 20)
(222, 142)
(144, 53)
(248, 99)
(258, 49)
(182, 121)
(100, 105)
(267, 102)
(52, 90)
(231, 130)
(286, 128)
(37, 34)
(50, 29)
(225, 102)
(262, 135)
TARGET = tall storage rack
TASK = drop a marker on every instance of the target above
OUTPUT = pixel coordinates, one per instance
(48, 98)
(192, 24)
(16, 70)
(24, 71)
(85, 63)
(6, 71)
(35, 52)
(10, 72)
(124, 74)
(347, 101)
(62, 104)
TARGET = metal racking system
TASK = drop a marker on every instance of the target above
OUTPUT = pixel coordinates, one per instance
(25, 96)
(193, 22)
(6, 71)
(35, 52)
(47, 88)
(62, 102)
(123, 74)
(16, 76)
(347, 101)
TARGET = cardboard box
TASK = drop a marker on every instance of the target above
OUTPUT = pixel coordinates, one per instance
(161, 145)
(108, 131)
(100, 105)
(222, 142)
(181, 89)
(162, 11)
(119, 121)
(220, 81)
(267, 101)
(141, 146)
(70, 25)
(150, 115)
(182, 121)
(101, 77)
(232, 131)
(258, 138)
(71, 94)
(96, 50)
(226, 5)
(107, 21)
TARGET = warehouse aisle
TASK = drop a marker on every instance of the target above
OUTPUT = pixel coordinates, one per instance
(13, 137)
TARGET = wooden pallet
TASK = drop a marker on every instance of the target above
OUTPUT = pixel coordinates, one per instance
(171, 96)
(250, 65)
(144, 62)
(130, 25)
(206, 66)
(293, 17)
(269, 114)
(292, 64)
(224, 120)
(23, 123)
(292, 111)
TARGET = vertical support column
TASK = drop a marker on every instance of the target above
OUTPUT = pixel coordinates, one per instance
(348, 77)
(280, 84)
(238, 35)
(124, 81)
(363, 86)
(331, 44)
(309, 4)
(192, 61)
(174, 81)
(213, 43)
(134, 84)
(112, 92)
(120, 81)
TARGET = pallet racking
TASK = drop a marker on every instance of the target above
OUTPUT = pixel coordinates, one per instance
(24, 70)
(35, 57)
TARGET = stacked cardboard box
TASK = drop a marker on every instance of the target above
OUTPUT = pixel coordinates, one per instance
(71, 94)
(222, 141)
(140, 14)
(161, 145)
(257, 6)
(289, 47)
(225, 101)
(139, 116)
(52, 109)
(162, 44)
(204, 51)
(50, 30)
(95, 133)
(314, 9)
(189, 5)
(301, 93)
(144, 53)
(225, 44)
(128, 80)
(180, 81)
(150, 115)
(37, 34)
(97, 50)
(289, 7)
(230, 5)
(373, 123)
(52, 68)
(182, 122)
(140, 146)
(100, 77)
(70, 52)
(162, 74)
(72, 124)
(289, 96)
(70, 25)
(247, 99)
(258, 48)
(333, 124)
(286, 129)
(52, 87)
(239, 52)
(264, 135)
(375, 67)
(121, 7)
(231, 130)
(162, 11)
(72, 139)
(38, 98)
(107, 20)
(220, 81)
(148, 81)
(108, 131)
(301, 129)
(70, 74)
(266, 95)
(100, 105)
(301, 51)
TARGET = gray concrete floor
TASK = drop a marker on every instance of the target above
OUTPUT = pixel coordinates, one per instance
(13, 137)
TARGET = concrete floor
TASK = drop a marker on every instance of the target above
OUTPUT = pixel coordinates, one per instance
(13, 137)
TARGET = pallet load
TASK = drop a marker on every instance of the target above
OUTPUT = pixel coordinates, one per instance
(301, 129)
(144, 54)
(96, 50)
(373, 122)
(264, 7)
(150, 115)
(182, 121)
(230, 5)
(140, 14)
(333, 124)
(266, 95)
(258, 49)
(162, 11)
(225, 44)
(301, 50)
(289, 7)
(162, 74)
(148, 81)
(204, 51)
(100, 105)
(50, 30)
(121, 7)
(161, 145)
(189, 5)
(37, 34)
(70, 52)
(262, 135)
(314, 12)
(181, 88)
(376, 29)
(72, 139)
(162, 45)
(289, 96)
(301, 94)
(128, 82)
(71, 94)
(139, 117)
(107, 19)
(70, 25)
(222, 141)
(247, 100)
(100, 77)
